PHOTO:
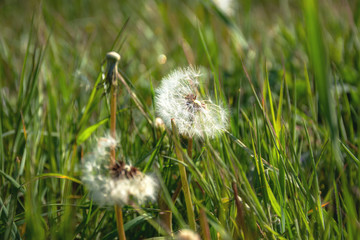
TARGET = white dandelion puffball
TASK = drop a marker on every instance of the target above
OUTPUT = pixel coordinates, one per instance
(119, 184)
(178, 98)
(187, 234)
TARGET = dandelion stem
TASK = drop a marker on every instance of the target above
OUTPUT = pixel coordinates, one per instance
(111, 78)
(113, 122)
(204, 225)
(240, 212)
(190, 147)
(153, 223)
(185, 185)
(120, 222)
(177, 192)
(166, 214)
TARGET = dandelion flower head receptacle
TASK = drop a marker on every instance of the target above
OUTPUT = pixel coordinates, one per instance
(119, 183)
(178, 98)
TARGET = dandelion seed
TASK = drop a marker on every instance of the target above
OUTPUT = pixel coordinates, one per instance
(187, 234)
(178, 98)
(159, 124)
(162, 59)
(120, 183)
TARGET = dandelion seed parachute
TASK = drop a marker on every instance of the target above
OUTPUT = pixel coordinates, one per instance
(187, 234)
(178, 98)
(106, 189)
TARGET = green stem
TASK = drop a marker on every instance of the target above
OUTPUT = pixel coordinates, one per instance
(184, 182)
(190, 147)
(166, 214)
(153, 223)
(240, 222)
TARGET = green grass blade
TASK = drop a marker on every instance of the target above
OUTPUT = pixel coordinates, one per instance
(84, 135)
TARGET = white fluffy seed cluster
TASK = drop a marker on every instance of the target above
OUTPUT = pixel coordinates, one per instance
(187, 234)
(178, 98)
(107, 190)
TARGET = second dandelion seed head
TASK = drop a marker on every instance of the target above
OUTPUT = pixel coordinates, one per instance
(120, 183)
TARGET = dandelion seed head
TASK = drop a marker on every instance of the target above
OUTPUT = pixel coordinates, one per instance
(121, 183)
(162, 59)
(159, 124)
(178, 98)
(187, 234)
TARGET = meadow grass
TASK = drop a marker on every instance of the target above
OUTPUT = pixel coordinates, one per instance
(287, 71)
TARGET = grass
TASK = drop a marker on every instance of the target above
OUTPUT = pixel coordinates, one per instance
(287, 168)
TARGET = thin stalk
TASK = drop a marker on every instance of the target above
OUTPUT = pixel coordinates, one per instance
(190, 147)
(113, 123)
(240, 213)
(179, 185)
(177, 191)
(204, 225)
(111, 78)
(184, 182)
(118, 210)
(150, 220)
(120, 222)
(166, 214)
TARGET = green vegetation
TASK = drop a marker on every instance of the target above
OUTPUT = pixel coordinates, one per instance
(287, 71)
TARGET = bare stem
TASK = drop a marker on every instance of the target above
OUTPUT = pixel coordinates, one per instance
(204, 225)
(113, 122)
(166, 214)
(177, 191)
(111, 78)
(190, 147)
(240, 212)
(185, 185)
(120, 222)
(153, 223)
